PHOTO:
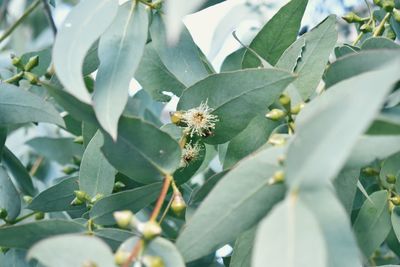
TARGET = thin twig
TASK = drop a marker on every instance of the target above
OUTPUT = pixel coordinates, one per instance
(135, 251)
(36, 166)
(47, 10)
(27, 12)
(166, 209)
(381, 26)
(161, 198)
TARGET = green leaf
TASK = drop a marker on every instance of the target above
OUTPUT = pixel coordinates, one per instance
(358, 63)
(236, 97)
(390, 166)
(17, 258)
(395, 217)
(20, 106)
(155, 77)
(372, 224)
(249, 140)
(379, 43)
(113, 237)
(181, 59)
(82, 27)
(160, 247)
(277, 35)
(77, 109)
(88, 131)
(206, 188)
(72, 250)
(234, 205)
(19, 172)
(96, 175)
(319, 138)
(9, 197)
(25, 235)
(133, 200)
(120, 50)
(319, 44)
(61, 149)
(233, 61)
(183, 174)
(340, 243)
(292, 55)
(142, 151)
(346, 187)
(242, 250)
(290, 236)
(57, 197)
(341, 51)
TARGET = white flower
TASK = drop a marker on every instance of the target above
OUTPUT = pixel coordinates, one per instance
(190, 153)
(199, 120)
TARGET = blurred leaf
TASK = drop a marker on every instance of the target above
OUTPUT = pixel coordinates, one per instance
(113, 237)
(19, 106)
(372, 224)
(96, 175)
(19, 172)
(395, 217)
(182, 58)
(61, 149)
(233, 61)
(206, 188)
(249, 140)
(82, 27)
(57, 197)
(72, 250)
(142, 151)
(25, 235)
(3, 137)
(160, 247)
(119, 57)
(346, 187)
(234, 205)
(319, 138)
(16, 258)
(290, 236)
(277, 34)
(133, 200)
(239, 97)
(242, 250)
(379, 43)
(9, 197)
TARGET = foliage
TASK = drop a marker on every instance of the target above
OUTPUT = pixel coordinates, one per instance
(290, 154)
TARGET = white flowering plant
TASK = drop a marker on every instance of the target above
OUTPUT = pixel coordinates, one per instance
(288, 156)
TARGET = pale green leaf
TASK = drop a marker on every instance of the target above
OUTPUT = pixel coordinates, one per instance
(9, 197)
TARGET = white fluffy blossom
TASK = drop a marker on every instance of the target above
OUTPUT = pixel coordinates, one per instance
(199, 120)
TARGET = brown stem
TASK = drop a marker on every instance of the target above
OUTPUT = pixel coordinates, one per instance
(161, 198)
(134, 253)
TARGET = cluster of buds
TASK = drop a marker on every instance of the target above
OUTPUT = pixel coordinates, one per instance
(24, 70)
(82, 197)
(196, 121)
(127, 220)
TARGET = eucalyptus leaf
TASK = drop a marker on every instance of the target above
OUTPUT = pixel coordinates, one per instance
(82, 27)
(120, 50)
(242, 250)
(9, 197)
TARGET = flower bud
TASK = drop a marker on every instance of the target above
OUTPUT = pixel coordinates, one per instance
(69, 169)
(77, 202)
(377, 2)
(278, 177)
(96, 198)
(3, 214)
(16, 78)
(277, 140)
(32, 78)
(125, 218)
(27, 199)
(395, 200)
(39, 216)
(297, 108)
(16, 61)
(284, 99)
(121, 257)
(275, 114)
(118, 186)
(178, 205)
(352, 17)
(365, 28)
(370, 171)
(79, 140)
(391, 178)
(388, 5)
(151, 230)
(153, 261)
(177, 117)
(389, 32)
(81, 195)
(32, 62)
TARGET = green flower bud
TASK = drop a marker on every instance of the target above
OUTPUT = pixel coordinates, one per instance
(177, 117)
(69, 169)
(77, 202)
(153, 261)
(39, 216)
(377, 2)
(16, 78)
(275, 114)
(389, 32)
(277, 140)
(32, 62)
(396, 15)
(388, 5)
(32, 78)
(391, 178)
(365, 28)
(16, 61)
(370, 171)
(178, 205)
(120, 257)
(3, 214)
(79, 140)
(118, 186)
(352, 17)
(278, 177)
(96, 198)
(284, 99)
(124, 219)
(151, 230)
(76, 160)
(297, 108)
(81, 195)
(395, 200)
(27, 199)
